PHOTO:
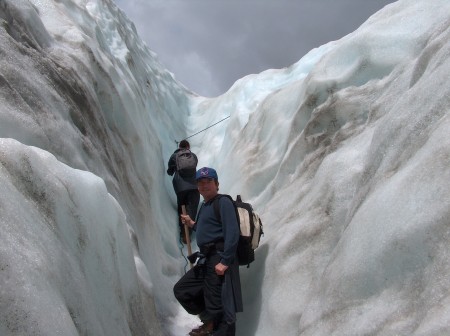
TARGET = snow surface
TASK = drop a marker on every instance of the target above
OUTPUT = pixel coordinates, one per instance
(345, 155)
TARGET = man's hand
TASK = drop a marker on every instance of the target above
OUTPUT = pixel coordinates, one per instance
(220, 269)
(186, 220)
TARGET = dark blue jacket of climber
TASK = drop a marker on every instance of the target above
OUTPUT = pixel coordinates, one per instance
(212, 288)
(182, 165)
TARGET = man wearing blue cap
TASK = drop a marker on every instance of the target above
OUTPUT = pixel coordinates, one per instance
(212, 288)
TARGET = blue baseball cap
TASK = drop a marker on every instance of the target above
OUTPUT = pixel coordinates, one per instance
(206, 172)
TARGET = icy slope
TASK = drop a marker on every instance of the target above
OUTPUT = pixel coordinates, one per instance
(345, 154)
(82, 245)
(350, 166)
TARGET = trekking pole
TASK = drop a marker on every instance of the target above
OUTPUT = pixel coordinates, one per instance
(186, 232)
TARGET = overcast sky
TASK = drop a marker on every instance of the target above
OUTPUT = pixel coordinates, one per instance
(209, 44)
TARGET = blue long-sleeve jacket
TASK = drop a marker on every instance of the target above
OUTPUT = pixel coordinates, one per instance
(209, 229)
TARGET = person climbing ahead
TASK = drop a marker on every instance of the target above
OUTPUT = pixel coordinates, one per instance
(212, 289)
(182, 165)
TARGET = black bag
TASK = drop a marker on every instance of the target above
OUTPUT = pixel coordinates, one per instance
(186, 163)
(251, 228)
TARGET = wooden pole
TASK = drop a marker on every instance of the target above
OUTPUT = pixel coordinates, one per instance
(186, 232)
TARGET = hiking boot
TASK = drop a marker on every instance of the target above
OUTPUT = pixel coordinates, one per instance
(203, 330)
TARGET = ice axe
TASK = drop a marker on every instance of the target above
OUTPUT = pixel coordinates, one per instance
(186, 232)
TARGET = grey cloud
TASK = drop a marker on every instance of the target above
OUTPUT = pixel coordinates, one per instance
(209, 44)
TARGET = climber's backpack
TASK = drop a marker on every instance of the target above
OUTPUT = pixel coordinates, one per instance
(186, 163)
(251, 228)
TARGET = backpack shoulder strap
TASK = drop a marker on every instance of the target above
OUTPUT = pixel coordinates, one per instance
(216, 205)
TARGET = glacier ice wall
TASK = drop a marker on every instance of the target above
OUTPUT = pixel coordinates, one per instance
(77, 83)
(345, 154)
(351, 166)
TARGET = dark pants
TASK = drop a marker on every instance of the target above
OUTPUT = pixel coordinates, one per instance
(189, 198)
(199, 291)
